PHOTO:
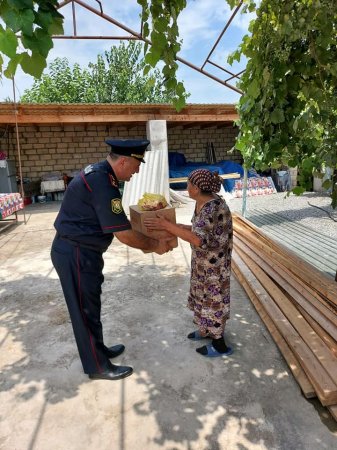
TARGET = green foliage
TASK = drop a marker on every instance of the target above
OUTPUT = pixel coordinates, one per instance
(115, 77)
(35, 21)
(288, 112)
(62, 84)
(164, 35)
(118, 77)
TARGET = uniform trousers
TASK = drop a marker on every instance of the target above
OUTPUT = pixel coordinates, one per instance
(80, 272)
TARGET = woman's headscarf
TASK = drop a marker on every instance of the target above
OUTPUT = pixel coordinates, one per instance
(205, 180)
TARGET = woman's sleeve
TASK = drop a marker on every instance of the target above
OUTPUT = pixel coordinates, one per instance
(214, 227)
(203, 228)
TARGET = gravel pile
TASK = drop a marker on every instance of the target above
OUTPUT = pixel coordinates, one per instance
(312, 210)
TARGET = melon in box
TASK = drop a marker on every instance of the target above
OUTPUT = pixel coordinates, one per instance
(137, 217)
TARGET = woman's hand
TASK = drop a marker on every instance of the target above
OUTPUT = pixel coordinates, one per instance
(158, 223)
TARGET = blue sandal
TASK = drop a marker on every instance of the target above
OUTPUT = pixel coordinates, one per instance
(212, 353)
(196, 336)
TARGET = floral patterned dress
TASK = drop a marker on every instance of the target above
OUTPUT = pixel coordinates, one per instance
(209, 296)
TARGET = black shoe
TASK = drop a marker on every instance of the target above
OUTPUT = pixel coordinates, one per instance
(115, 373)
(115, 350)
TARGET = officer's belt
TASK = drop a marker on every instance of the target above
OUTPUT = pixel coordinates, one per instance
(77, 244)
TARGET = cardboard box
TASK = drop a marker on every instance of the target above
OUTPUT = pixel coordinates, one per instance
(137, 217)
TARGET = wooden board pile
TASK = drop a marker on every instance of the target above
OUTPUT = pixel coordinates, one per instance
(298, 305)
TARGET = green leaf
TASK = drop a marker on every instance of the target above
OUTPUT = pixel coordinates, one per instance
(253, 89)
(298, 190)
(266, 76)
(146, 70)
(21, 20)
(170, 84)
(20, 4)
(161, 25)
(33, 65)
(56, 27)
(232, 3)
(334, 199)
(152, 58)
(39, 42)
(180, 89)
(8, 42)
(277, 116)
(146, 29)
(240, 145)
(43, 18)
(12, 66)
(327, 184)
(159, 41)
(179, 103)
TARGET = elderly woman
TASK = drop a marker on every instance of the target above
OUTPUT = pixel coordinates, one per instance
(211, 239)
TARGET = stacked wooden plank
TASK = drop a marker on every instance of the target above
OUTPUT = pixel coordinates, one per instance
(297, 303)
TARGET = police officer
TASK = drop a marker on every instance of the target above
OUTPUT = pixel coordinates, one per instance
(90, 216)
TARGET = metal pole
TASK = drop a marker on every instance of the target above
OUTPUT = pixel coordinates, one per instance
(222, 33)
(141, 38)
(244, 192)
(74, 17)
(19, 151)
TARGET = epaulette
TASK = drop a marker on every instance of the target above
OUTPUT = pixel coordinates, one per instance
(88, 169)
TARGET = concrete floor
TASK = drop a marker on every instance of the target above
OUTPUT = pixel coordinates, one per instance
(176, 399)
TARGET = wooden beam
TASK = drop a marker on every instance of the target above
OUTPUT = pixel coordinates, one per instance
(200, 118)
(173, 125)
(289, 259)
(263, 239)
(295, 367)
(284, 278)
(226, 176)
(329, 342)
(190, 125)
(308, 352)
(74, 118)
(333, 411)
(208, 125)
(108, 118)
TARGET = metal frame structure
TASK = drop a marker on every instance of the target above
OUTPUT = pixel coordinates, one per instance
(139, 36)
(134, 35)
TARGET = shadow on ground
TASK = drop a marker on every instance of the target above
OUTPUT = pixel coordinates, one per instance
(195, 402)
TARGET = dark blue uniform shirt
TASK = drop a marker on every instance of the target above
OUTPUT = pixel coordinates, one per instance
(92, 210)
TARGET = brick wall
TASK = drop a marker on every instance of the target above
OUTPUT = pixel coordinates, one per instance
(7, 145)
(69, 148)
(193, 141)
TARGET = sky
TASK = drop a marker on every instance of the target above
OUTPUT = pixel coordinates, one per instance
(200, 24)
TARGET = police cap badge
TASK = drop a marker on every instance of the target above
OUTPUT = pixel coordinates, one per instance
(129, 147)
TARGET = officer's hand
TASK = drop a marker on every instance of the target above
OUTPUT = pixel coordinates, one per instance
(162, 247)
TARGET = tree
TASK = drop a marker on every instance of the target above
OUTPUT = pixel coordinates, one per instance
(63, 84)
(36, 21)
(288, 111)
(116, 77)
(164, 37)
